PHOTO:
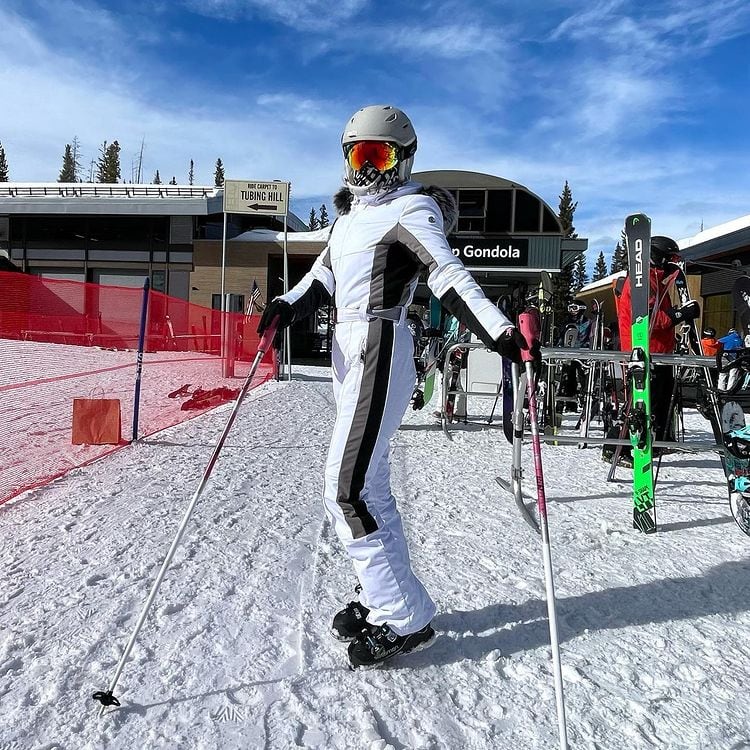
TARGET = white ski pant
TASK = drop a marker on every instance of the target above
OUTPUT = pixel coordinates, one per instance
(373, 380)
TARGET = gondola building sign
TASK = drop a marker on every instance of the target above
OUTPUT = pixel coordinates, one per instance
(491, 251)
(503, 231)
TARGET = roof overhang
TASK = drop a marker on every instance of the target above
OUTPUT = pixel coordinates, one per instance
(115, 199)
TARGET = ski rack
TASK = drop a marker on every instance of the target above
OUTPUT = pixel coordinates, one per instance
(553, 355)
(446, 391)
(560, 354)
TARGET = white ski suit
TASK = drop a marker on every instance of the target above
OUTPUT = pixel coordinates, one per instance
(372, 262)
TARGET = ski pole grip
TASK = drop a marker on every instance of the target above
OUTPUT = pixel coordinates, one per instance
(530, 326)
(267, 338)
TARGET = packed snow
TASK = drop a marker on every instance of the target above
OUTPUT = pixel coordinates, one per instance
(236, 652)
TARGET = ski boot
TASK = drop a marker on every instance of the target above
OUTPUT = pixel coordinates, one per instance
(349, 622)
(375, 645)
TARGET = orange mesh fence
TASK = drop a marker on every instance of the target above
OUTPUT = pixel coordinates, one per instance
(64, 340)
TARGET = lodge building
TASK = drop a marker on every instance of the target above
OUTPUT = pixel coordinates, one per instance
(118, 234)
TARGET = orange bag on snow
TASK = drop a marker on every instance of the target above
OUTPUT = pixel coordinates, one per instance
(96, 421)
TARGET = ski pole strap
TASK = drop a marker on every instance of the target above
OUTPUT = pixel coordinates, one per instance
(530, 325)
(105, 698)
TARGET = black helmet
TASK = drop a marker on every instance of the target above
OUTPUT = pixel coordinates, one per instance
(663, 249)
(709, 332)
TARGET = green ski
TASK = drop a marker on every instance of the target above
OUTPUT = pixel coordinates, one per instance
(638, 234)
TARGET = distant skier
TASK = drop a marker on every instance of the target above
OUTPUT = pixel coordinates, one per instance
(388, 229)
(732, 342)
(710, 345)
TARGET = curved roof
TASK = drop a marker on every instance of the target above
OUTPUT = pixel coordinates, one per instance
(458, 178)
(464, 180)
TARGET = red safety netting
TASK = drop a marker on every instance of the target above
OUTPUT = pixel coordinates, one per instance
(61, 340)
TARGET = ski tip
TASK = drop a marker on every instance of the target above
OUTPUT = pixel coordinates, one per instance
(635, 219)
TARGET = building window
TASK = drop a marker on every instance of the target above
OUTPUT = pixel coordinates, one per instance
(499, 210)
(236, 302)
(471, 203)
(550, 222)
(54, 233)
(159, 281)
(527, 212)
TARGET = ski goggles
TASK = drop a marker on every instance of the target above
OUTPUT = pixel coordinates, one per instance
(382, 155)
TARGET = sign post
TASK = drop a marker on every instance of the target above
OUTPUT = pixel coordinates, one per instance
(262, 199)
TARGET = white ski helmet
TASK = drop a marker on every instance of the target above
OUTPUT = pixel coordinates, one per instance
(378, 124)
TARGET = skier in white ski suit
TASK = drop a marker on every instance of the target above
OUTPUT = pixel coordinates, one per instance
(388, 229)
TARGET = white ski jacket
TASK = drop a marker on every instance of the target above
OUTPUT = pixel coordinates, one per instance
(375, 252)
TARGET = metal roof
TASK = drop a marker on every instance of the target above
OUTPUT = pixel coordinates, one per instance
(457, 178)
(104, 198)
(121, 199)
(718, 240)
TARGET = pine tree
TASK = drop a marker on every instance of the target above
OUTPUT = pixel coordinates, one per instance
(600, 269)
(219, 174)
(173, 181)
(563, 282)
(566, 211)
(191, 173)
(324, 222)
(312, 222)
(68, 171)
(4, 173)
(157, 178)
(101, 163)
(620, 255)
(76, 159)
(108, 164)
(580, 275)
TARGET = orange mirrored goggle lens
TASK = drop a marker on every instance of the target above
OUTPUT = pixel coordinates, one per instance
(382, 156)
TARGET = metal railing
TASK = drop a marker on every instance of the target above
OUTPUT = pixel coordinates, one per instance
(445, 386)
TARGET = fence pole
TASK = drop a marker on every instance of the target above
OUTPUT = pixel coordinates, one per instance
(139, 359)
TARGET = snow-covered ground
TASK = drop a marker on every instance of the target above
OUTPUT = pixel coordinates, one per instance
(37, 410)
(655, 631)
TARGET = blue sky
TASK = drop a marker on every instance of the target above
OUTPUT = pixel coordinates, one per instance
(640, 106)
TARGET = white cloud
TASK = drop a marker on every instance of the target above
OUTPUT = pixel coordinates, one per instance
(583, 130)
(299, 14)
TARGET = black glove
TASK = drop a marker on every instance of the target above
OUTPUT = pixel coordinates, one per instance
(510, 344)
(689, 311)
(277, 308)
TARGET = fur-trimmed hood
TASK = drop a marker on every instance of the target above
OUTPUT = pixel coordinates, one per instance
(343, 199)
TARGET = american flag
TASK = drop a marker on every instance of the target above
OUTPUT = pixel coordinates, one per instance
(255, 302)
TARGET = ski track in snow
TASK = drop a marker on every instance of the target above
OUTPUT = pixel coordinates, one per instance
(236, 651)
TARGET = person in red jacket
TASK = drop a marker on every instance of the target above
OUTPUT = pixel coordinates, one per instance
(663, 318)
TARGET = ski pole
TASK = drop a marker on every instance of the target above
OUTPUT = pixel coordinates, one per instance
(139, 358)
(106, 698)
(530, 325)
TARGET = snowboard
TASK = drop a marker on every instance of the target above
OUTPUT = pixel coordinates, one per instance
(741, 299)
(433, 348)
(737, 462)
